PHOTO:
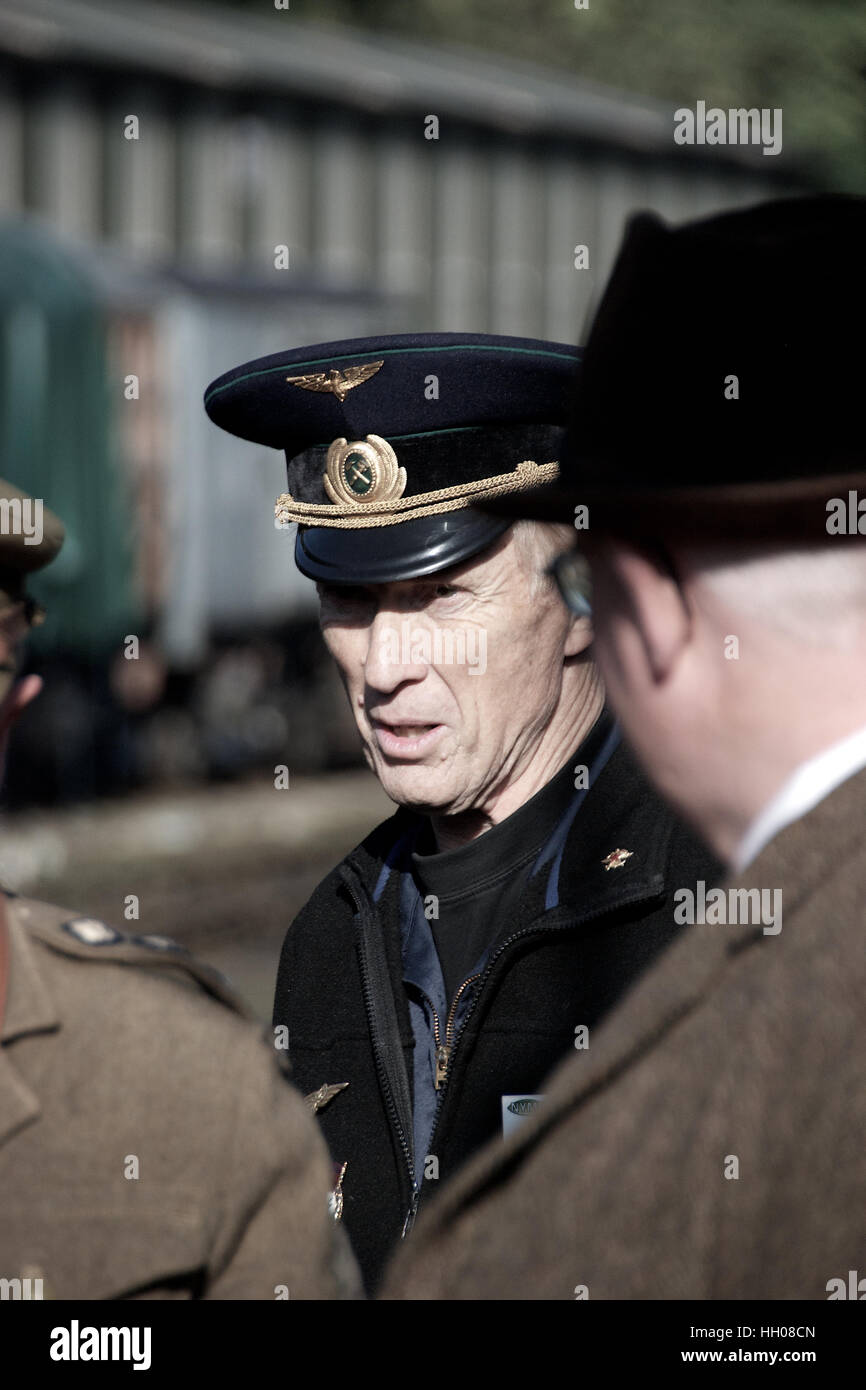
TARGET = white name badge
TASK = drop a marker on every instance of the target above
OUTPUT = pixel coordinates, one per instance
(516, 1109)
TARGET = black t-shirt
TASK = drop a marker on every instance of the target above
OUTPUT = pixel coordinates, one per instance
(479, 884)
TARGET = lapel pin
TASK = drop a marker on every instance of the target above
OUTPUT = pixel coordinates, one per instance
(335, 1198)
(616, 859)
(317, 1100)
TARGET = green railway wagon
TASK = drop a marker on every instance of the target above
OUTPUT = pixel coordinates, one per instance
(57, 439)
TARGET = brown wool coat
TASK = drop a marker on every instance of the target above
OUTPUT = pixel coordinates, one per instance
(114, 1051)
(736, 1044)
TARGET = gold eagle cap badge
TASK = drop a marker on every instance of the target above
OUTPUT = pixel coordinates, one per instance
(339, 383)
(363, 471)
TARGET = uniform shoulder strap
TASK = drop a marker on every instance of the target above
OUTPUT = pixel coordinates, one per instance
(89, 938)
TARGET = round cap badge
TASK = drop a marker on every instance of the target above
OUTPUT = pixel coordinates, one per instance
(363, 471)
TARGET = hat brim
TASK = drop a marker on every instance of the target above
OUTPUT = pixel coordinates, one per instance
(795, 509)
(405, 550)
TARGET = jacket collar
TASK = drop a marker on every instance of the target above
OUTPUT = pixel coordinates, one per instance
(613, 848)
(617, 812)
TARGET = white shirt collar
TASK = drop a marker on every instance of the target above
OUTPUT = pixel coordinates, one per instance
(807, 785)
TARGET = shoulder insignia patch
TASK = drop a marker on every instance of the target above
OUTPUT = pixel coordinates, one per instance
(78, 936)
(92, 932)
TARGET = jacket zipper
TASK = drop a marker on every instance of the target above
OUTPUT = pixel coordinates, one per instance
(536, 926)
(443, 1049)
(385, 1083)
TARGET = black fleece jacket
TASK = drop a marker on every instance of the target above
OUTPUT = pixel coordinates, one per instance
(552, 971)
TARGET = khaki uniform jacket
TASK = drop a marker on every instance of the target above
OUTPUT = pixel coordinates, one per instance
(711, 1142)
(150, 1145)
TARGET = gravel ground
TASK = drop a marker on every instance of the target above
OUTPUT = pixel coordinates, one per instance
(221, 869)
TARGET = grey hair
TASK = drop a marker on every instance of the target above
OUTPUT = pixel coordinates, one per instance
(815, 596)
(539, 542)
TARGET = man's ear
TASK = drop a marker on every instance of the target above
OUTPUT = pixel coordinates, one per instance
(653, 601)
(580, 635)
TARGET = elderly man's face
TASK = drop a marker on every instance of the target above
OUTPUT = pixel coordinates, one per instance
(452, 679)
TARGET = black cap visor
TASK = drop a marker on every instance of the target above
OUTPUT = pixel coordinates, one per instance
(405, 550)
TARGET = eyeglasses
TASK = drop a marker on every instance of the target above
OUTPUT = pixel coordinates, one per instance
(570, 572)
(20, 617)
(34, 613)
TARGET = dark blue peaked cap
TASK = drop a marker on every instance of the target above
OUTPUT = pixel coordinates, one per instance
(393, 442)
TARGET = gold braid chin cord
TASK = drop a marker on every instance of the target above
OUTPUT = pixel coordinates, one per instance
(528, 474)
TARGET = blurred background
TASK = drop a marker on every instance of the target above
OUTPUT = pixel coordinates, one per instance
(183, 187)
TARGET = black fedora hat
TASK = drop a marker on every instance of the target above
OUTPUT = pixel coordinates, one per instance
(722, 380)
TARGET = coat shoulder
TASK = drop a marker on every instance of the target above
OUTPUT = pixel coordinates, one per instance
(128, 1036)
(74, 938)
